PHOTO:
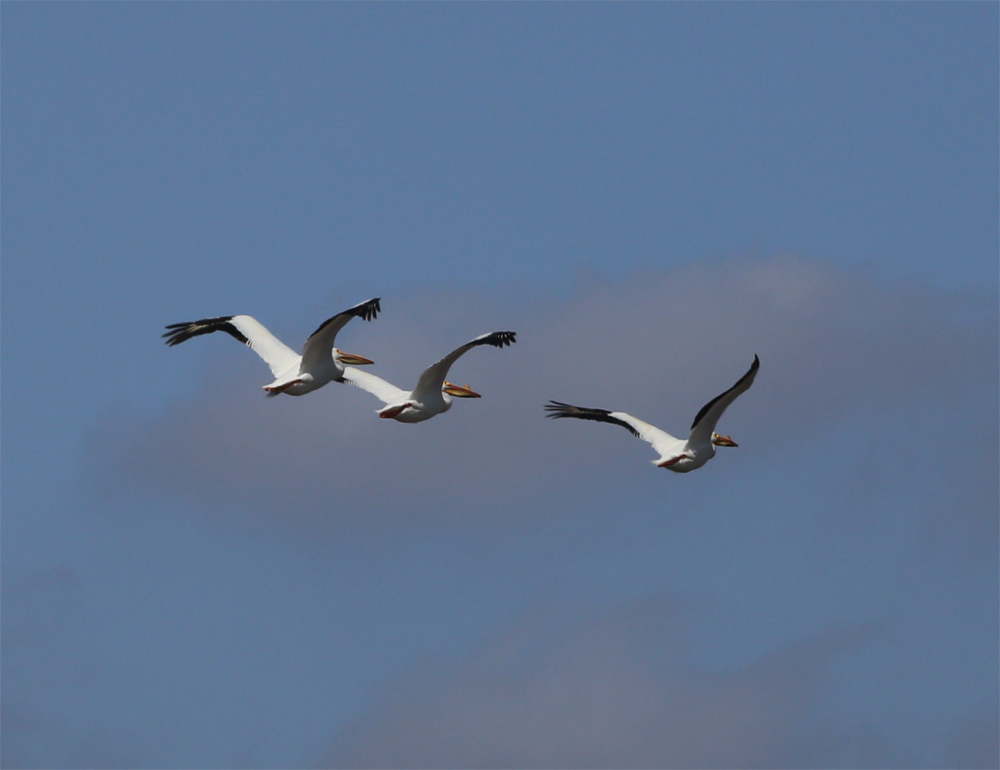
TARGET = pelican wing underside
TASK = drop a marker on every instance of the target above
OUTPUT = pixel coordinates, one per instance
(386, 392)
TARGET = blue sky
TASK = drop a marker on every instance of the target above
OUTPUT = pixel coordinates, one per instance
(197, 576)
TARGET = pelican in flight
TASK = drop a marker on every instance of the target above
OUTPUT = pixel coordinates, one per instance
(294, 374)
(433, 393)
(678, 455)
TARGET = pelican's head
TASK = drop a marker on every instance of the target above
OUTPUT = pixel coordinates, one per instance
(722, 440)
(350, 359)
(459, 391)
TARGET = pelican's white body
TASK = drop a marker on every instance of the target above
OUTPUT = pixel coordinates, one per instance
(418, 405)
(697, 450)
(414, 405)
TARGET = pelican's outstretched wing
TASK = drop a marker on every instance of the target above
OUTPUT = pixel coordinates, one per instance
(382, 390)
(319, 346)
(278, 356)
(432, 380)
(704, 423)
(660, 440)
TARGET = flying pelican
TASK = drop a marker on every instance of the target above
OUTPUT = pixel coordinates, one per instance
(676, 454)
(294, 374)
(433, 392)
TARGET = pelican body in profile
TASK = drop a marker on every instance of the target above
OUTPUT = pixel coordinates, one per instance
(433, 393)
(294, 374)
(678, 455)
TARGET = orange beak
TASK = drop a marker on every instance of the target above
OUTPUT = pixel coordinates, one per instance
(722, 440)
(460, 391)
(352, 360)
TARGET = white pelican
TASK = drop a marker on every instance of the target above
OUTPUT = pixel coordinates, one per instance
(433, 393)
(676, 454)
(294, 374)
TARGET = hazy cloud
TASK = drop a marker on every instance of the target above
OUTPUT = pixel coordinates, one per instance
(43, 658)
(616, 689)
(659, 345)
(976, 744)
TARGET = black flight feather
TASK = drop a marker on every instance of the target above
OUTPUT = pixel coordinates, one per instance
(497, 339)
(178, 333)
(750, 372)
(557, 409)
(366, 311)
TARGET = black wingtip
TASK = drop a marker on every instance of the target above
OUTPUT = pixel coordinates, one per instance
(558, 409)
(499, 339)
(182, 332)
(561, 409)
(368, 311)
(173, 332)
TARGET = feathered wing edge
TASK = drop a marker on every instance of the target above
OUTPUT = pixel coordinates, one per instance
(248, 330)
(557, 410)
(366, 311)
(182, 332)
(723, 400)
(496, 339)
(318, 348)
